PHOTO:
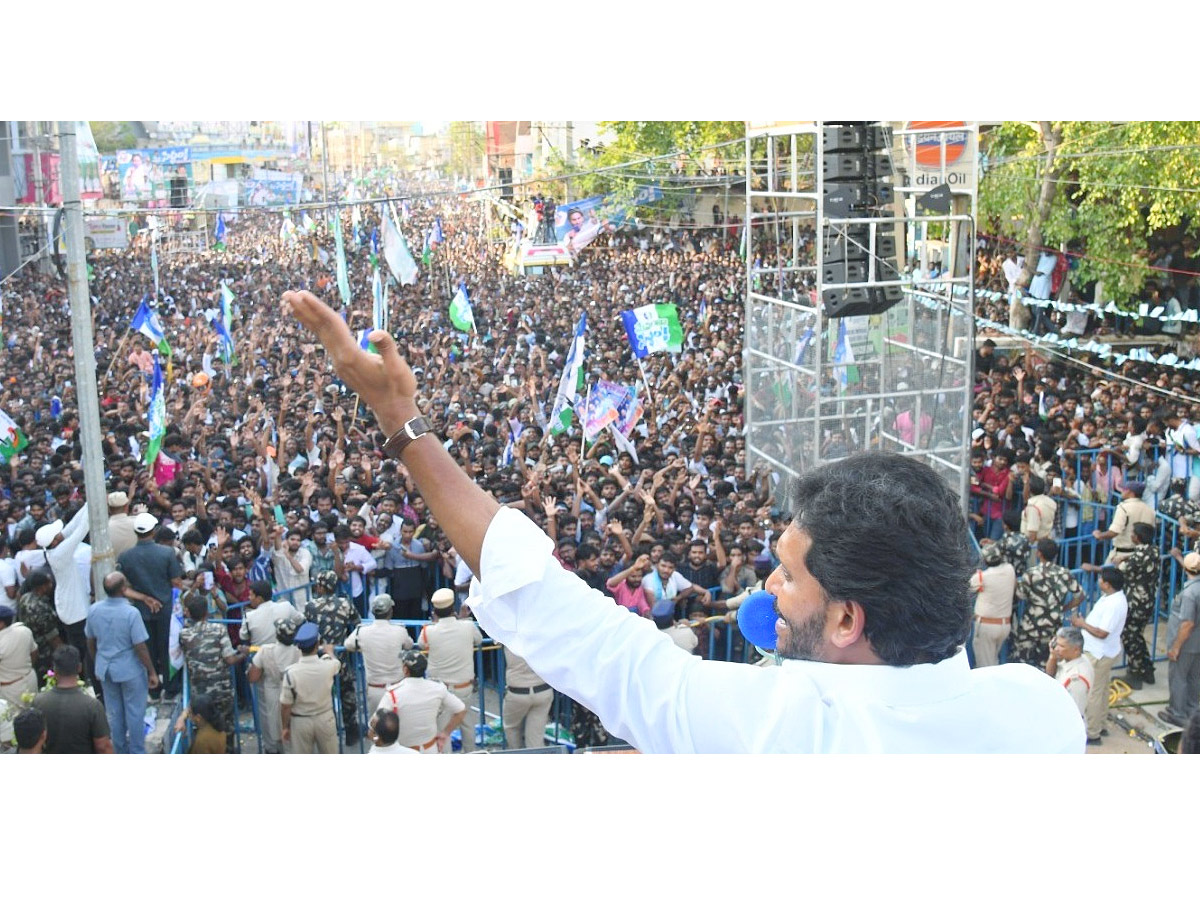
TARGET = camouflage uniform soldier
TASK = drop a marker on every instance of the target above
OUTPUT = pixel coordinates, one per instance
(1141, 570)
(1043, 590)
(35, 608)
(335, 617)
(209, 653)
(1180, 508)
(1014, 545)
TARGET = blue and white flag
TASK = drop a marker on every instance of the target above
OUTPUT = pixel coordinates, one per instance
(802, 344)
(843, 355)
(224, 325)
(220, 232)
(436, 237)
(396, 252)
(157, 414)
(378, 310)
(343, 279)
(461, 314)
(146, 321)
(514, 433)
(568, 387)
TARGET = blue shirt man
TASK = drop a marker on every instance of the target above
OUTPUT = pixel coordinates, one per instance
(117, 640)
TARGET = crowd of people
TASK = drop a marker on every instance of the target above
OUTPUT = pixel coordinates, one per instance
(271, 508)
(270, 479)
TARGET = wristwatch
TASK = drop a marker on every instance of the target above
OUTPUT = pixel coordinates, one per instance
(412, 429)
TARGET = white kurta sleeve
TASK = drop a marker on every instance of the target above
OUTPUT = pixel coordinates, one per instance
(642, 686)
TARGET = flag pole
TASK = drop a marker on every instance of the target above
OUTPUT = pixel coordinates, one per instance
(641, 368)
(117, 354)
(583, 428)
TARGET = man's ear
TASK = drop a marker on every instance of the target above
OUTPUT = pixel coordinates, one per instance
(849, 623)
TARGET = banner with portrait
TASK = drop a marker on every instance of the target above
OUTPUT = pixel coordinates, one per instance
(145, 174)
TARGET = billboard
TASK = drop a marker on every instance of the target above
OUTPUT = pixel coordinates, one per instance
(106, 232)
(576, 224)
(267, 187)
(145, 174)
(942, 156)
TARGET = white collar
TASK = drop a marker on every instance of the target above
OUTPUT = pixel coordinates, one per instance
(891, 685)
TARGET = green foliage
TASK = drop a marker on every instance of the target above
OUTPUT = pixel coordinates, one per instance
(1118, 184)
(113, 136)
(628, 142)
(466, 149)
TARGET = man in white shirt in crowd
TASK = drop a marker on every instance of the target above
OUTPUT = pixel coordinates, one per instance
(1069, 667)
(292, 565)
(72, 592)
(872, 611)
(664, 583)
(1102, 644)
(357, 563)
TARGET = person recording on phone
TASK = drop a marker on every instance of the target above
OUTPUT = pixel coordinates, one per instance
(872, 598)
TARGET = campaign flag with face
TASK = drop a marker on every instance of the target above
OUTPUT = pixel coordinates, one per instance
(599, 410)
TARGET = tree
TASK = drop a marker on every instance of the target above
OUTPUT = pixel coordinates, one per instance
(630, 142)
(113, 136)
(1102, 188)
(466, 149)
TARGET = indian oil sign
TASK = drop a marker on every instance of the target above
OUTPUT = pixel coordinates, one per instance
(940, 153)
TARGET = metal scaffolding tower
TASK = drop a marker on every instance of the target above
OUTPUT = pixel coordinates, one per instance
(818, 386)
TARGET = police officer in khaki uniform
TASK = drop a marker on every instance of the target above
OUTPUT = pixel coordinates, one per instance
(1130, 511)
(381, 643)
(421, 703)
(266, 670)
(306, 699)
(451, 643)
(527, 702)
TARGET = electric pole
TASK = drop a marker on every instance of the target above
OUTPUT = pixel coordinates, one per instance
(83, 346)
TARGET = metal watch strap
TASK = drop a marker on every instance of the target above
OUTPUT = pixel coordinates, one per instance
(411, 430)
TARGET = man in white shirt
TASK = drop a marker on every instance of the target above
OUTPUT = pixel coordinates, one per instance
(357, 564)
(872, 614)
(72, 593)
(292, 564)
(1102, 644)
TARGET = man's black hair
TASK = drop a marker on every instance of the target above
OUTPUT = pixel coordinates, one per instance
(387, 726)
(28, 727)
(916, 598)
(1113, 576)
(66, 660)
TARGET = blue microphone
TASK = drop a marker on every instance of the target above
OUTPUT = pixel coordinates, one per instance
(756, 619)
